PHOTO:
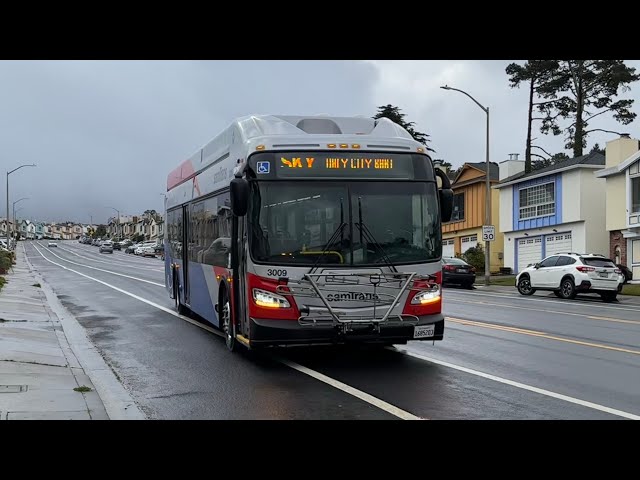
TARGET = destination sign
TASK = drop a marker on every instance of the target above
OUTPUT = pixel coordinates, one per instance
(334, 164)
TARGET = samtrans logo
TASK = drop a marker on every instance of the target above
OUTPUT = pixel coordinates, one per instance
(351, 296)
(296, 162)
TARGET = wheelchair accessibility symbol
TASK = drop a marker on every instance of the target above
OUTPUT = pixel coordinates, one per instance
(264, 167)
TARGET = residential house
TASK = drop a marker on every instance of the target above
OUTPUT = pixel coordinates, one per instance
(3, 227)
(156, 232)
(560, 208)
(464, 231)
(622, 177)
(39, 230)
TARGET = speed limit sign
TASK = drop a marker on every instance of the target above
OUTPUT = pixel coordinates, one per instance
(488, 233)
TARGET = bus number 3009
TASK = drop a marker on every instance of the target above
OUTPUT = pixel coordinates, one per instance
(273, 272)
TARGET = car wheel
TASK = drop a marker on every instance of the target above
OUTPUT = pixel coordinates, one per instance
(468, 286)
(567, 289)
(557, 293)
(524, 286)
(609, 297)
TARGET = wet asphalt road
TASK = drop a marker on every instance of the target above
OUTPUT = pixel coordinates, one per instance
(499, 350)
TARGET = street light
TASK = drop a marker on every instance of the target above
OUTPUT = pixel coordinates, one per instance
(14, 207)
(118, 227)
(9, 173)
(487, 202)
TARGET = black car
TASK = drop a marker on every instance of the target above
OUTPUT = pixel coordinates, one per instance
(117, 246)
(628, 274)
(457, 271)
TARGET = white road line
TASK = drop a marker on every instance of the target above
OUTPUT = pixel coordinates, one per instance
(530, 299)
(99, 269)
(370, 399)
(523, 386)
(133, 295)
(114, 263)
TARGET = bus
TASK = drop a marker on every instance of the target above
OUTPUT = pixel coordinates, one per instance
(292, 230)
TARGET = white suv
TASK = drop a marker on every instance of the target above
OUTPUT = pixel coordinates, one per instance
(567, 274)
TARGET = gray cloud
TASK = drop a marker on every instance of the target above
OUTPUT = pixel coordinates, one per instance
(106, 133)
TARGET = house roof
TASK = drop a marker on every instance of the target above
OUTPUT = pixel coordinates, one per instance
(591, 160)
(494, 170)
(621, 167)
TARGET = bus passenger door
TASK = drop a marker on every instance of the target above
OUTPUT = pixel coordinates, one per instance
(188, 245)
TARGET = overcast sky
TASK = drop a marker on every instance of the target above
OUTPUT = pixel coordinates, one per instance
(106, 133)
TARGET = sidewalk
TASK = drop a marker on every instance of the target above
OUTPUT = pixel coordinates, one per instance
(39, 369)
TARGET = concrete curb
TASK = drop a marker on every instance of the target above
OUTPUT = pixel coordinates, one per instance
(117, 401)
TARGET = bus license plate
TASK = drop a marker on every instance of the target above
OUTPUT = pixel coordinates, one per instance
(424, 331)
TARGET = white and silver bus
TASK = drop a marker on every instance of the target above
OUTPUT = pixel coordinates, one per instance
(300, 230)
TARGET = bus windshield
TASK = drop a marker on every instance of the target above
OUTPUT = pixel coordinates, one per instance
(344, 223)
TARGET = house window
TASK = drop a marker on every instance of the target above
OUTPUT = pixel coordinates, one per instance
(538, 201)
(458, 207)
(635, 194)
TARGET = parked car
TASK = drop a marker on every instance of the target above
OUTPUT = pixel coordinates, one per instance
(457, 271)
(106, 246)
(626, 271)
(117, 246)
(52, 244)
(131, 248)
(568, 274)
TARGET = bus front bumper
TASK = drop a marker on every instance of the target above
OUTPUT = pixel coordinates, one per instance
(290, 332)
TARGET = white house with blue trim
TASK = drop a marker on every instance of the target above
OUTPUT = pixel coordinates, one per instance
(560, 208)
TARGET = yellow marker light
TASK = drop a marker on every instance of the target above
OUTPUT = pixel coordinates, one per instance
(262, 298)
(260, 147)
(355, 145)
(218, 277)
(420, 150)
(331, 145)
(344, 145)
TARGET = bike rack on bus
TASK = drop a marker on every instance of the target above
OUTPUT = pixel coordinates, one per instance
(318, 285)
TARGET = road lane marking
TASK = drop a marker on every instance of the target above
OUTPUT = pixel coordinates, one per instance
(608, 319)
(115, 263)
(542, 391)
(120, 256)
(99, 269)
(535, 333)
(530, 299)
(370, 399)
(133, 295)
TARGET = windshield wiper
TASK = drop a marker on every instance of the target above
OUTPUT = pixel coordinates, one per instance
(365, 232)
(337, 232)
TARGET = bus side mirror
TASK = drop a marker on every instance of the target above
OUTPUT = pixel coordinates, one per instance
(239, 196)
(446, 204)
(446, 196)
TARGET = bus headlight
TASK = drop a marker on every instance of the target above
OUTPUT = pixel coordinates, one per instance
(427, 297)
(262, 298)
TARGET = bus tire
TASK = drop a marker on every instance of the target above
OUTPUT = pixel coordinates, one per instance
(228, 326)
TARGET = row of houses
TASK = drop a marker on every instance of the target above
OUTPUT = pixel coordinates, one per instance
(588, 204)
(38, 230)
(150, 225)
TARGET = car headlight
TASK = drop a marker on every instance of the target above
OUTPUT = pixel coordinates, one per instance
(427, 297)
(262, 298)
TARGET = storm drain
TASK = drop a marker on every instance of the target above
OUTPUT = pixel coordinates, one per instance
(13, 388)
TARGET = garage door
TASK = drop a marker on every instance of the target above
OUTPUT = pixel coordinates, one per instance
(447, 248)
(529, 251)
(468, 242)
(558, 244)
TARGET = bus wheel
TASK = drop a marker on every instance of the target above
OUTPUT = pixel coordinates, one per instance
(227, 325)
